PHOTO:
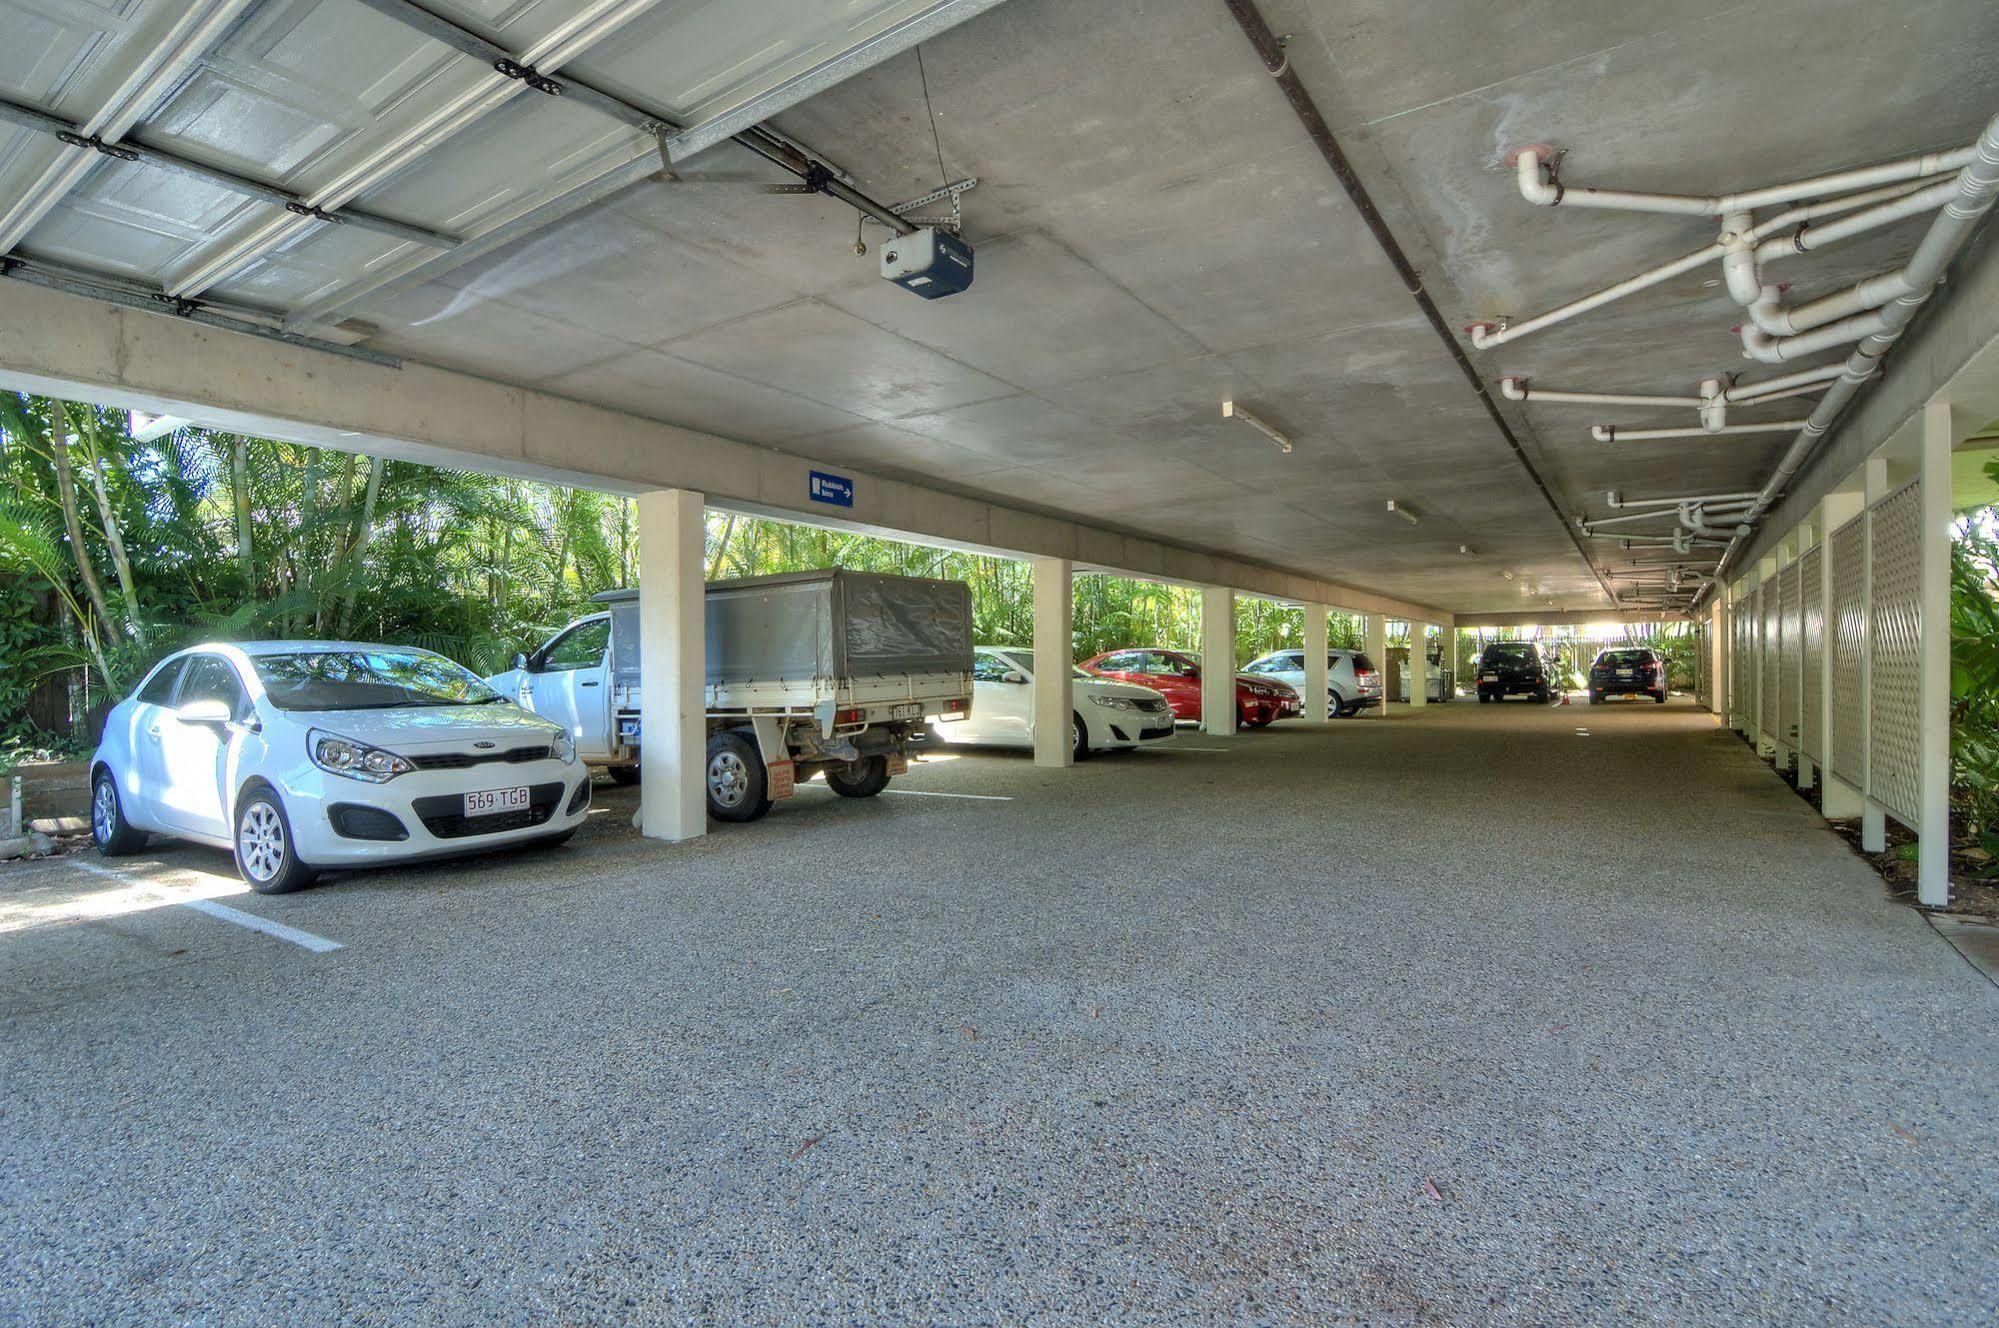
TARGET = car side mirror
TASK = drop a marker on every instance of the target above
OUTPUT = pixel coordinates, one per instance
(209, 714)
(1014, 676)
(520, 661)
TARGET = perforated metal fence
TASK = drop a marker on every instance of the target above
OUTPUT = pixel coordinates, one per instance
(1811, 652)
(1894, 747)
(1703, 672)
(1846, 622)
(1739, 667)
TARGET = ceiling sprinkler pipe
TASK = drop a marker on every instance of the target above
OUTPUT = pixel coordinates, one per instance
(1518, 389)
(1544, 192)
(1485, 336)
(1610, 433)
(1618, 500)
(1714, 406)
(1783, 383)
(1811, 239)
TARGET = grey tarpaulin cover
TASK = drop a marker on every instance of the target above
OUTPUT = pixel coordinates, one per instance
(831, 623)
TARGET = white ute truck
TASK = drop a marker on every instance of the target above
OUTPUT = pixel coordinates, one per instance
(828, 672)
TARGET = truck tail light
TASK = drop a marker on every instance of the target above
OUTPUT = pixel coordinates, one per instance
(957, 705)
(848, 717)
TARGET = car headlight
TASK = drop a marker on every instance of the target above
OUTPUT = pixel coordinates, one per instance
(564, 747)
(355, 760)
(1114, 702)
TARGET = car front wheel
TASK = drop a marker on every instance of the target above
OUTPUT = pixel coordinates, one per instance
(1079, 738)
(266, 856)
(107, 819)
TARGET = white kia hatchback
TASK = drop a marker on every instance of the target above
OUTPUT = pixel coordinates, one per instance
(301, 755)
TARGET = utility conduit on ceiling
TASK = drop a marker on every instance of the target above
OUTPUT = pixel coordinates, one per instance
(1872, 312)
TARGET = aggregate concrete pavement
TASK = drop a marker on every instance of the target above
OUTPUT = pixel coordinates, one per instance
(1458, 1016)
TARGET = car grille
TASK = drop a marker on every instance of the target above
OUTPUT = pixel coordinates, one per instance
(466, 760)
(444, 815)
(1152, 706)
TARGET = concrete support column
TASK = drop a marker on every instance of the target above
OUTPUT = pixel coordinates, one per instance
(1374, 644)
(1933, 661)
(1838, 799)
(1717, 645)
(673, 712)
(1316, 683)
(1218, 704)
(1419, 663)
(1054, 652)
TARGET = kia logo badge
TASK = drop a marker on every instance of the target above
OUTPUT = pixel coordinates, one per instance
(485, 746)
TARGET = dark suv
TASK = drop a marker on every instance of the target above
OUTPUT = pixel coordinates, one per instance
(1628, 671)
(1508, 668)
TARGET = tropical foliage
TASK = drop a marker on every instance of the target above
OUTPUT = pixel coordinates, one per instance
(1974, 675)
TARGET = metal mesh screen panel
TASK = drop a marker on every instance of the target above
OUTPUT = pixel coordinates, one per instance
(1766, 658)
(1739, 672)
(1703, 683)
(1846, 639)
(1788, 634)
(1894, 747)
(1811, 651)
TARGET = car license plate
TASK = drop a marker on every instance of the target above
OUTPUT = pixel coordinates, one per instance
(1490, 677)
(487, 802)
(1624, 673)
(907, 710)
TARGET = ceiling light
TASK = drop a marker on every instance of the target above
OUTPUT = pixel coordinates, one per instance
(1232, 411)
(1403, 512)
(1506, 572)
(1467, 550)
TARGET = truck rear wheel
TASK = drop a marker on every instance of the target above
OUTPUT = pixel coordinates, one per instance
(738, 785)
(863, 779)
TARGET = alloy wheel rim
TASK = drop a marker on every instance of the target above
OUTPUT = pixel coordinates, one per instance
(104, 811)
(260, 841)
(728, 779)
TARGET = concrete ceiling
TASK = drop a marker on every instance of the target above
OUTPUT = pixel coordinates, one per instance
(1153, 232)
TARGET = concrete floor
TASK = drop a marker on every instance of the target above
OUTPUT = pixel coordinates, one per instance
(1454, 1017)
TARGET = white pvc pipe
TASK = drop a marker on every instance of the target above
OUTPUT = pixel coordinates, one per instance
(1538, 190)
(1485, 336)
(1782, 384)
(1760, 345)
(1610, 433)
(1768, 311)
(1618, 500)
(1814, 238)
(1518, 389)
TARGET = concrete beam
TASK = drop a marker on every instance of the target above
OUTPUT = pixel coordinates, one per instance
(77, 349)
(1557, 617)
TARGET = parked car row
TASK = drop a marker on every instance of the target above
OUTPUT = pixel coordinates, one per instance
(299, 756)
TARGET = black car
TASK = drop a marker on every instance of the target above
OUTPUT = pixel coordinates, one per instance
(1628, 671)
(1511, 668)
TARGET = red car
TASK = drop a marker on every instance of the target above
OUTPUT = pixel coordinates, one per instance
(1177, 675)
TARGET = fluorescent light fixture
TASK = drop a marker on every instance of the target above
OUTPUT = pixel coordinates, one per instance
(1403, 512)
(1467, 550)
(1232, 411)
(1506, 572)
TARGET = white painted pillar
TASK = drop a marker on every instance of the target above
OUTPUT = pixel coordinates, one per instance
(673, 665)
(1933, 661)
(1316, 683)
(1717, 647)
(1054, 653)
(1374, 644)
(1838, 799)
(1419, 664)
(1218, 700)
(1873, 817)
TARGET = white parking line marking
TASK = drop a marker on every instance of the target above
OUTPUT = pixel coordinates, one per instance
(926, 793)
(186, 898)
(1183, 747)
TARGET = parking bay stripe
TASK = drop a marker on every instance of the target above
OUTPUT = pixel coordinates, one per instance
(303, 939)
(928, 793)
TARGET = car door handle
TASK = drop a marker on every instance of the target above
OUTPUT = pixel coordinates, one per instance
(153, 732)
(592, 683)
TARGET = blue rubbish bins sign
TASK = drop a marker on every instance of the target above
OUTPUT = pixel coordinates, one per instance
(833, 490)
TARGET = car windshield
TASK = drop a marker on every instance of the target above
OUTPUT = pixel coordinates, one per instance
(367, 680)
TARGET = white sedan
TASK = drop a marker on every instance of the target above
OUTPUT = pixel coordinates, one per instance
(1107, 714)
(299, 755)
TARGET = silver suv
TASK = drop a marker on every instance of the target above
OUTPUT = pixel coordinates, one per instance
(1352, 681)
